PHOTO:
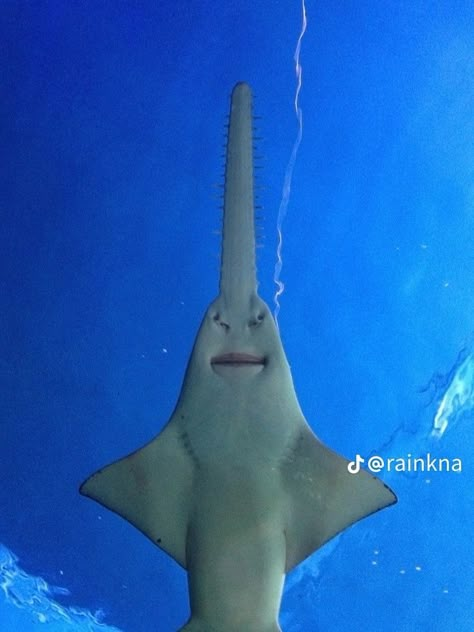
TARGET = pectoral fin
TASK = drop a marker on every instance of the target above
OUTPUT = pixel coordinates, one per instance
(151, 488)
(323, 497)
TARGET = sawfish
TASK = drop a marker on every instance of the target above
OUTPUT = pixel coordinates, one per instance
(236, 487)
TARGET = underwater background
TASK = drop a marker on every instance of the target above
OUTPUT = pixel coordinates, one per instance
(112, 126)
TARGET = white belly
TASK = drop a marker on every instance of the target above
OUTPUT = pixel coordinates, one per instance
(236, 549)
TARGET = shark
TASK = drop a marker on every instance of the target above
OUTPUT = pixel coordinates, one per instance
(236, 487)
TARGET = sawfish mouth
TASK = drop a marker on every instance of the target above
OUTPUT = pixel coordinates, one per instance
(236, 359)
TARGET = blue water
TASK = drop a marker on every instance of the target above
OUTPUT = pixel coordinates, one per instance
(112, 121)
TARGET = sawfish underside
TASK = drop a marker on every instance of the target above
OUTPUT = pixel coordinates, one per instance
(236, 487)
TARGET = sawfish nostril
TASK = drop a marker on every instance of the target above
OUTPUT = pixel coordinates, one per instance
(256, 321)
(217, 319)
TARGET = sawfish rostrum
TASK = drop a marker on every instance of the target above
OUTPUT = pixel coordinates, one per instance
(236, 487)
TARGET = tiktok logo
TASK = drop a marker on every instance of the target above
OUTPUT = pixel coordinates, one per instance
(353, 467)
